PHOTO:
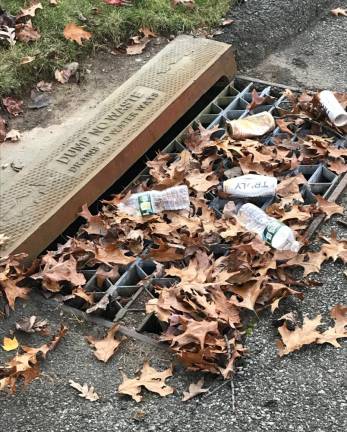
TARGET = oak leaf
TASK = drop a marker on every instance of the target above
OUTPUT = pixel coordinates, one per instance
(32, 324)
(85, 392)
(149, 378)
(26, 365)
(75, 33)
(105, 348)
(296, 339)
(13, 106)
(26, 33)
(339, 315)
(192, 331)
(189, 4)
(338, 166)
(96, 225)
(201, 182)
(12, 291)
(30, 11)
(328, 208)
(339, 11)
(249, 292)
(194, 390)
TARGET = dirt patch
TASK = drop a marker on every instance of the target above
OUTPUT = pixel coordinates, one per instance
(100, 75)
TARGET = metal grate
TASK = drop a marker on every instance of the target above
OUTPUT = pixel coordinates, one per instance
(127, 296)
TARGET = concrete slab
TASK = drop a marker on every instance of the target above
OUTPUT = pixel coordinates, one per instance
(86, 156)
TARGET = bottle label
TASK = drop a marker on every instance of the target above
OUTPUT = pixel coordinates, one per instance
(270, 231)
(145, 205)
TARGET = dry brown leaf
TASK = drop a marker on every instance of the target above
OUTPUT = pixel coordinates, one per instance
(26, 365)
(85, 392)
(194, 390)
(339, 315)
(328, 208)
(189, 4)
(33, 325)
(26, 60)
(44, 86)
(75, 33)
(339, 12)
(13, 106)
(30, 11)
(148, 33)
(296, 339)
(13, 135)
(12, 291)
(138, 47)
(201, 182)
(338, 166)
(150, 378)
(26, 33)
(105, 348)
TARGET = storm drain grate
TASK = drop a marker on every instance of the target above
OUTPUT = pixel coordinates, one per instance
(124, 299)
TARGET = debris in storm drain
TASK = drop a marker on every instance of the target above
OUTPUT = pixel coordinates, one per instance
(199, 269)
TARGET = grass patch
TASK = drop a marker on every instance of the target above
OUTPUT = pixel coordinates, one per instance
(109, 27)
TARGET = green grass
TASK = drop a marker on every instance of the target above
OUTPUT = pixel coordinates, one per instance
(110, 27)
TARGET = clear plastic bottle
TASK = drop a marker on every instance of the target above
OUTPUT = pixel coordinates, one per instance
(151, 202)
(272, 231)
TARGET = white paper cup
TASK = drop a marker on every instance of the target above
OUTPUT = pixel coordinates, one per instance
(335, 111)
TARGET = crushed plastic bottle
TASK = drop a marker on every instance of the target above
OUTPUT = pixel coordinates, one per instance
(272, 231)
(152, 202)
(252, 126)
(250, 185)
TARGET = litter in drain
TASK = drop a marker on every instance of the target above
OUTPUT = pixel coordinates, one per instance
(123, 299)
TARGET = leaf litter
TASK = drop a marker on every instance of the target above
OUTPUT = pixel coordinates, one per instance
(205, 311)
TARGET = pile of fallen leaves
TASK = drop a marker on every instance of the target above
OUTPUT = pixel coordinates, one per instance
(221, 273)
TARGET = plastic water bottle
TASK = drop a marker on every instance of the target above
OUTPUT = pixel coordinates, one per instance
(250, 185)
(151, 202)
(272, 231)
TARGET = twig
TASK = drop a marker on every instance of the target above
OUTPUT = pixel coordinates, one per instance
(216, 389)
(232, 395)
